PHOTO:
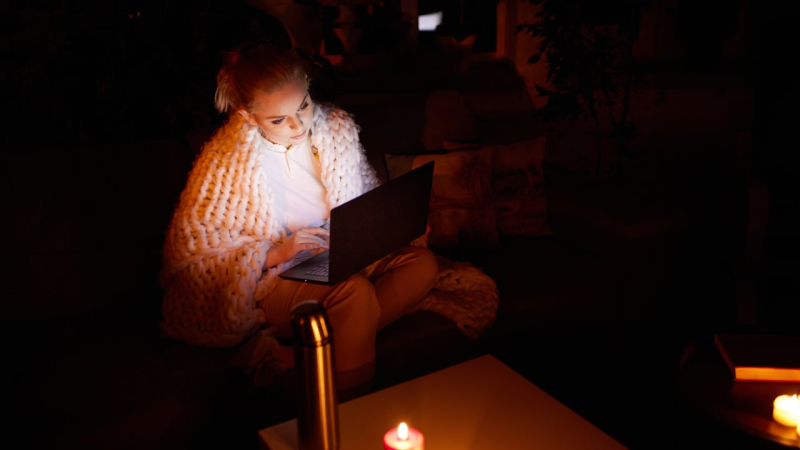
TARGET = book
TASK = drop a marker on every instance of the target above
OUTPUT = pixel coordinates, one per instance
(761, 357)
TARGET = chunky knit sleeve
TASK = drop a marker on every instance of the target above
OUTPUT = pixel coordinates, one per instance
(217, 244)
(346, 171)
(368, 174)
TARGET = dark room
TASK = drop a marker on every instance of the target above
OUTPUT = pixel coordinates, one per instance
(441, 224)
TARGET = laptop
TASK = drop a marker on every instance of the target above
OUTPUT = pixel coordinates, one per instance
(369, 227)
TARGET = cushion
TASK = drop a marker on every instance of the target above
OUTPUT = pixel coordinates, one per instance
(518, 188)
(462, 210)
(447, 117)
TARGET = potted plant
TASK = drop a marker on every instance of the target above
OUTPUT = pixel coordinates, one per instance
(587, 48)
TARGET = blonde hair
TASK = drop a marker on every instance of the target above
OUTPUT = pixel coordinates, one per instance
(249, 70)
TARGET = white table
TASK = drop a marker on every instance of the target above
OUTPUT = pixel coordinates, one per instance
(478, 404)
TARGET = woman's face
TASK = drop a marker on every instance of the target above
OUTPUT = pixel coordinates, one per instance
(284, 115)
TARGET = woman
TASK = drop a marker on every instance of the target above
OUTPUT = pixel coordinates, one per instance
(259, 193)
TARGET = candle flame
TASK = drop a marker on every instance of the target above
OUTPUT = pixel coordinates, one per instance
(402, 431)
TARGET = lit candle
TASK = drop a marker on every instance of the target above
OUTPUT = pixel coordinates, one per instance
(786, 410)
(403, 438)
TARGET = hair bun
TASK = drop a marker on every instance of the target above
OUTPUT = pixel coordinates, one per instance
(254, 66)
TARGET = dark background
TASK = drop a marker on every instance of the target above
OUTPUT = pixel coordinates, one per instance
(94, 73)
(775, 131)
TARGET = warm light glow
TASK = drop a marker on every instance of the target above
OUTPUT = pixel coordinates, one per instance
(786, 410)
(402, 431)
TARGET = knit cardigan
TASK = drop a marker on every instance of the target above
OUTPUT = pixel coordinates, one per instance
(225, 223)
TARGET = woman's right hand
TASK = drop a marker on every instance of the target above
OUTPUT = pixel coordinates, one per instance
(309, 238)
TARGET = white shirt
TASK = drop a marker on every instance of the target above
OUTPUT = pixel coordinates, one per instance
(295, 176)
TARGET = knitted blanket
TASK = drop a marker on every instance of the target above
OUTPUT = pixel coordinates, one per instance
(464, 294)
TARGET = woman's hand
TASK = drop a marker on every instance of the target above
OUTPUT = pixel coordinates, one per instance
(310, 238)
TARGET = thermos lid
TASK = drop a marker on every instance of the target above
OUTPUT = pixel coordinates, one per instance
(310, 324)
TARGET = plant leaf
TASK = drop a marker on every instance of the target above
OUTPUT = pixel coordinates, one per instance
(535, 58)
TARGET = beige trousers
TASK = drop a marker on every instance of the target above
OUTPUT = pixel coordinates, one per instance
(360, 306)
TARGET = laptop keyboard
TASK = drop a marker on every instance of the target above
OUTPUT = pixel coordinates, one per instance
(320, 270)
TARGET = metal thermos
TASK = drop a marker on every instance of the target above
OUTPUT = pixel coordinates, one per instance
(318, 406)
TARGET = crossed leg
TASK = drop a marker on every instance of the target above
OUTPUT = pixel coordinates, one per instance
(357, 308)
